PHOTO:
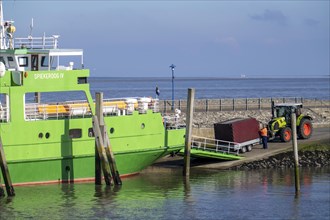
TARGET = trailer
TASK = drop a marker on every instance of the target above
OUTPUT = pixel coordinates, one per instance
(222, 146)
(238, 134)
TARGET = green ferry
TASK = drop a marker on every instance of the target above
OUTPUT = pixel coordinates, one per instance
(49, 138)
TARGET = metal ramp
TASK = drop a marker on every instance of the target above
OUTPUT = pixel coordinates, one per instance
(202, 147)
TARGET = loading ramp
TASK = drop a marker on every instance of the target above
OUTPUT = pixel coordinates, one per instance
(202, 147)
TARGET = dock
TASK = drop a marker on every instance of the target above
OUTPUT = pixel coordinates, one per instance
(258, 153)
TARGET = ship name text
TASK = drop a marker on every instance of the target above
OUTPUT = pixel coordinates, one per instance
(49, 76)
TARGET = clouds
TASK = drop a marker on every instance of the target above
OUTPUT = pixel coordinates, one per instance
(271, 16)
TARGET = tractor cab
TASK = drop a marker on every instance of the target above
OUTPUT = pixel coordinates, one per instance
(285, 110)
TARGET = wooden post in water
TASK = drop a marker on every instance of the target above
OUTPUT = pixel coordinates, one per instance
(101, 151)
(190, 113)
(111, 158)
(99, 114)
(5, 172)
(105, 143)
(295, 150)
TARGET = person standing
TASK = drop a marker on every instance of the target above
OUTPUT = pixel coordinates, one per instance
(264, 136)
(157, 92)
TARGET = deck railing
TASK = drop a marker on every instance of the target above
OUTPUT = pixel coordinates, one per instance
(37, 42)
(81, 109)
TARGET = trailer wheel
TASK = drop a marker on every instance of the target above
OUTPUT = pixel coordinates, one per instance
(248, 148)
(243, 149)
(305, 129)
(285, 134)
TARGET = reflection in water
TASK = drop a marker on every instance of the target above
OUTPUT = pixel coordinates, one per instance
(162, 193)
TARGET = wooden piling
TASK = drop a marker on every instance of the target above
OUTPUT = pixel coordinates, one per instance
(105, 153)
(5, 172)
(99, 114)
(190, 112)
(101, 151)
(111, 158)
(295, 150)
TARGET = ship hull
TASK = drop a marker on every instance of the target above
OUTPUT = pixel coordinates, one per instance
(47, 151)
(78, 169)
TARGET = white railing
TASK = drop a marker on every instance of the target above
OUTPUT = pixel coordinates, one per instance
(214, 145)
(37, 42)
(81, 109)
(36, 111)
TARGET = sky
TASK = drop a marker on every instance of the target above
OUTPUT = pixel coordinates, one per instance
(201, 38)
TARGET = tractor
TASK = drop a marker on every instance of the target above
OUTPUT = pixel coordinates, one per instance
(280, 124)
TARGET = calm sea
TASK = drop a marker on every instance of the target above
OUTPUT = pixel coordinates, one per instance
(162, 193)
(212, 88)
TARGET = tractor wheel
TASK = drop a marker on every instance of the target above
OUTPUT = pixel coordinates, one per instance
(285, 134)
(305, 129)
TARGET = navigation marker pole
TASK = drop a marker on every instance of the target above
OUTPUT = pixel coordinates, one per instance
(295, 150)
(172, 68)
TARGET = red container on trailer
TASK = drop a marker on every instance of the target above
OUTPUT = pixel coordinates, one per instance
(237, 130)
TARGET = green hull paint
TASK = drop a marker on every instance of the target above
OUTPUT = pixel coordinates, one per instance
(214, 155)
(44, 150)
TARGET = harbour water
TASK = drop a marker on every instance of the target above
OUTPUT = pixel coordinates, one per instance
(162, 193)
(213, 88)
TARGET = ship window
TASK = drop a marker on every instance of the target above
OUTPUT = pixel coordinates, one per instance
(75, 133)
(91, 132)
(2, 60)
(23, 61)
(11, 62)
(44, 61)
(4, 110)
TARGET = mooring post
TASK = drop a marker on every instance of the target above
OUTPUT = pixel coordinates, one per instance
(295, 150)
(5, 172)
(99, 113)
(111, 158)
(190, 113)
(101, 151)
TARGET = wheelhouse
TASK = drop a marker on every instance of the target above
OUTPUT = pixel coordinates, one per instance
(36, 56)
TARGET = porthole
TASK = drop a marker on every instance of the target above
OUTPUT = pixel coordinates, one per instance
(47, 135)
(40, 135)
(90, 132)
(112, 130)
(143, 126)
